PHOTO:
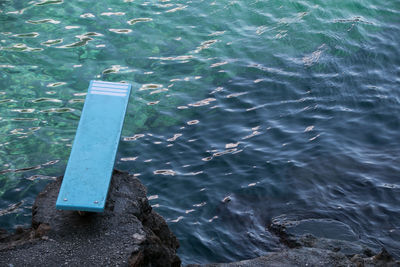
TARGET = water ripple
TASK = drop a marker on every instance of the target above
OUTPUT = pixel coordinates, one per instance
(52, 42)
(120, 31)
(21, 48)
(137, 20)
(287, 111)
(41, 21)
(112, 14)
(49, 2)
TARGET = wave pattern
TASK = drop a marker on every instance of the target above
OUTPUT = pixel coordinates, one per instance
(247, 111)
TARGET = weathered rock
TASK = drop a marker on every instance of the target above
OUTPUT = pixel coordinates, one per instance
(332, 236)
(291, 257)
(304, 249)
(128, 233)
(319, 233)
(307, 257)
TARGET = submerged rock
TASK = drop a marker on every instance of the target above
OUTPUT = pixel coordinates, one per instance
(300, 248)
(324, 234)
(127, 233)
(307, 257)
(291, 257)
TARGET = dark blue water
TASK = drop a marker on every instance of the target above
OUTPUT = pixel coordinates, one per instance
(247, 111)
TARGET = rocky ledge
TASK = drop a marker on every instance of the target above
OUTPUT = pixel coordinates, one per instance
(128, 233)
(312, 257)
(307, 250)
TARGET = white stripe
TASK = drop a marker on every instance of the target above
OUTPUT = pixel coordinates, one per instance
(106, 93)
(111, 83)
(110, 86)
(108, 89)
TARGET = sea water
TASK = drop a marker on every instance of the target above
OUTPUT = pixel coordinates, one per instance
(246, 111)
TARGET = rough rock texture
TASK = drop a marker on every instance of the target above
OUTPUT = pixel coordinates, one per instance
(308, 250)
(339, 252)
(306, 257)
(128, 233)
(291, 257)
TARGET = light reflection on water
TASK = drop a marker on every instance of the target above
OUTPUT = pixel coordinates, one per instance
(247, 112)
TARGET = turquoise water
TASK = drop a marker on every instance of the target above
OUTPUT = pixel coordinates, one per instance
(247, 111)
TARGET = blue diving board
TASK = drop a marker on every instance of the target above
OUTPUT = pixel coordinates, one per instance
(91, 162)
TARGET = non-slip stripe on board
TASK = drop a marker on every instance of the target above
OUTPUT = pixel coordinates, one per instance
(107, 93)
